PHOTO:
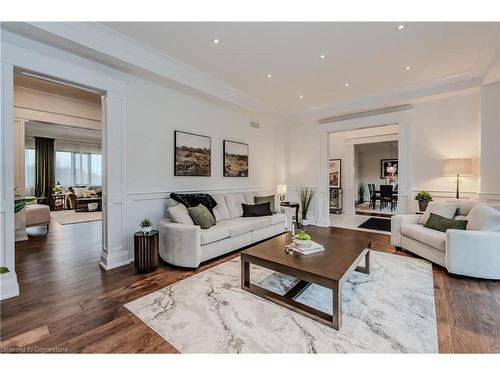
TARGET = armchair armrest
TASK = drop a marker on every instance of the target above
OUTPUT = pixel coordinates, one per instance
(396, 222)
(473, 253)
(180, 244)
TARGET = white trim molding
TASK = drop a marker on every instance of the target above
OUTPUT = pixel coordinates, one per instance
(404, 119)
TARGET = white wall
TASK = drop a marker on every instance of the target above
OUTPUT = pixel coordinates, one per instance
(446, 128)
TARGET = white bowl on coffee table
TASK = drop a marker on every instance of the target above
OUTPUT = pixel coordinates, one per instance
(303, 244)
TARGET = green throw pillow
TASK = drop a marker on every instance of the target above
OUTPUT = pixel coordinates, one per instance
(442, 224)
(269, 198)
(201, 216)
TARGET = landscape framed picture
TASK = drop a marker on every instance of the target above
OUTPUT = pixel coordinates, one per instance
(335, 173)
(235, 159)
(193, 154)
(388, 163)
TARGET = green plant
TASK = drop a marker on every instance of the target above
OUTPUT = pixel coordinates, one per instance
(146, 223)
(302, 235)
(305, 195)
(57, 188)
(361, 192)
(4, 270)
(423, 196)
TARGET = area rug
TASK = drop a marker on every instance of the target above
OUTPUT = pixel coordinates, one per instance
(389, 311)
(377, 223)
(72, 217)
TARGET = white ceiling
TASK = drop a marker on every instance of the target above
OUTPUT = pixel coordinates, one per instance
(370, 56)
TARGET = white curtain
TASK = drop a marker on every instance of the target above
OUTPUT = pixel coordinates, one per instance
(29, 171)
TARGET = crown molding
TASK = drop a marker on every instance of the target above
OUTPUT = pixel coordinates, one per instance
(99, 43)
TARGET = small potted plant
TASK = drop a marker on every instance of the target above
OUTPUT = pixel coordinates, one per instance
(423, 198)
(146, 225)
(306, 195)
(302, 239)
(57, 189)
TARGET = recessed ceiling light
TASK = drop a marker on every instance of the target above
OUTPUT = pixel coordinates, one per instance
(401, 27)
(301, 96)
(408, 68)
(216, 41)
(269, 75)
(322, 56)
(347, 84)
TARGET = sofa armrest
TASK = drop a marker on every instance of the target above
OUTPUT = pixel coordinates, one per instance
(396, 222)
(180, 244)
(473, 253)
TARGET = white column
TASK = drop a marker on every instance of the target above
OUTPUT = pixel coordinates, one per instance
(323, 192)
(114, 249)
(19, 167)
(490, 141)
(9, 286)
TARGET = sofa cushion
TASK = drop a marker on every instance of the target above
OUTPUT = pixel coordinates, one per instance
(482, 217)
(427, 236)
(180, 214)
(237, 226)
(264, 199)
(254, 210)
(234, 203)
(464, 205)
(221, 211)
(446, 210)
(278, 218)
(79, 191)
(442, 224)
(249, 197)
(260, 222)
(202, 216)
(214, 233)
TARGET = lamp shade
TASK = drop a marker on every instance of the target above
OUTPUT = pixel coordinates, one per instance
(282, 189)
(462, 167)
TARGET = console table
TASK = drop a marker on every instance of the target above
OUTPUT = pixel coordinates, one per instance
(293, 205)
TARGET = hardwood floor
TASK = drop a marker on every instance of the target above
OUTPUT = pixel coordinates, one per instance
(68, 304)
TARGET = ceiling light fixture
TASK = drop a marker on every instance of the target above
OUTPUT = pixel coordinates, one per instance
(408, 68)
(322, 56)
(301, 96)
(347, 84)
(216, 41)
(401, 27)
(269, 75)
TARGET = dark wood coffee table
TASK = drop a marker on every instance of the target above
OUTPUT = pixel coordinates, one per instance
(329, 268)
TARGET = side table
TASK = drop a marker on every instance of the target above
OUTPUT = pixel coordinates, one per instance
(146, 247)
(296, 206)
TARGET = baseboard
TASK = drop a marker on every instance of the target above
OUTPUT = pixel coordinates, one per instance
(115, 259)
(9, 286)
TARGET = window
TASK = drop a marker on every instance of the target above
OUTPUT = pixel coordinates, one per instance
(75, 168)
(29, 171)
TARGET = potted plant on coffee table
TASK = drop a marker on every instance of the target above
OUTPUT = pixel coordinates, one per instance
(146, 225)
(305, 195)
(423, 198)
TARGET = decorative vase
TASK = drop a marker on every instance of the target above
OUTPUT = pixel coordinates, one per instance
(422, 205)
(146, 229)
(302, 243)
(304, 222)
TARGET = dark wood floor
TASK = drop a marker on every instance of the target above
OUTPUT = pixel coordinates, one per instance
(67, 302)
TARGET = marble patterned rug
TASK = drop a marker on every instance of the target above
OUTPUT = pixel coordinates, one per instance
(389, 311)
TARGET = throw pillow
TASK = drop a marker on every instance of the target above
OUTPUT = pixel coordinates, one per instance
(201, 216)
(79, 191)
(252, 210)
(180, 214)
(442, 224)
(483, 217)
(268, 198)
(87, 193)
(193, 200)
(446, 210)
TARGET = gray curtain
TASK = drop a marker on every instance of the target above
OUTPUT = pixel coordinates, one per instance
(44, 169)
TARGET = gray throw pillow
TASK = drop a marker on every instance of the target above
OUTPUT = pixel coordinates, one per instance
(201, 216)
(267, 198)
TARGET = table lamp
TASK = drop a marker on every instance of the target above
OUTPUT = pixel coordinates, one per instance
(282, 192)
(458, 168)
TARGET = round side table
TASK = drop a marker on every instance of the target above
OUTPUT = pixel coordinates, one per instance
(146, 247)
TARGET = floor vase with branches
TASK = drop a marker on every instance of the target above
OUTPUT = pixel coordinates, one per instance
(305, 195)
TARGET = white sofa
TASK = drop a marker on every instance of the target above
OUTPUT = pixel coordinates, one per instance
(187, 245)
(462, 252)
